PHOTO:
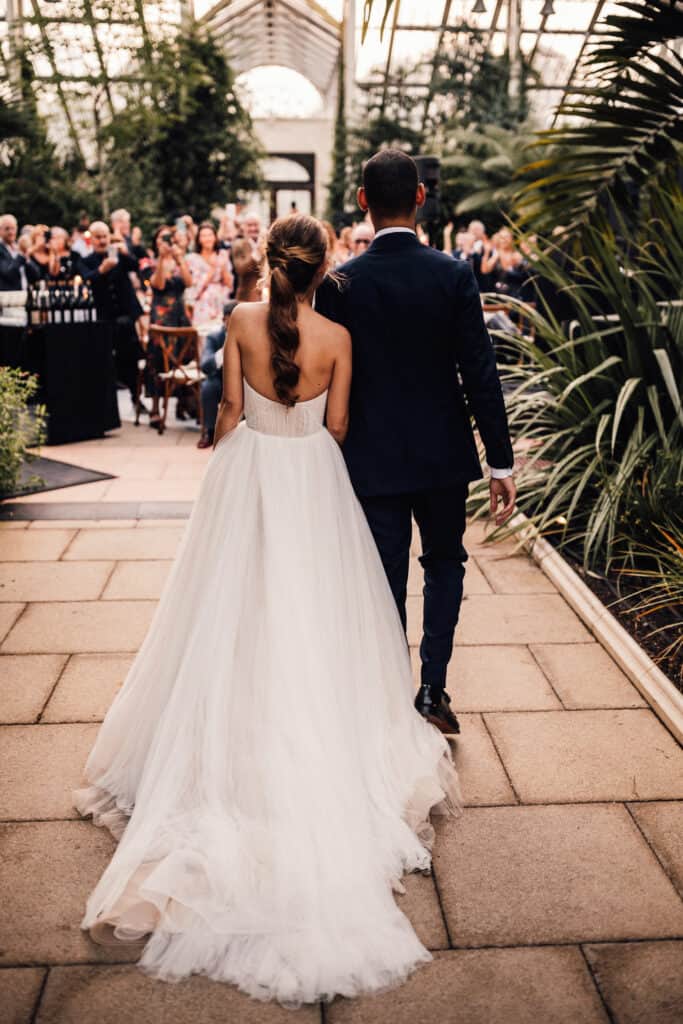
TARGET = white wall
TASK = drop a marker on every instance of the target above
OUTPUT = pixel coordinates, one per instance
(302, 135)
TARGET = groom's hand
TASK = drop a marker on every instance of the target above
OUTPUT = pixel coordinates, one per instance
(502, 490)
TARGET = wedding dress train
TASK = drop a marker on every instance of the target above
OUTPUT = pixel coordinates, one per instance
(263, 766)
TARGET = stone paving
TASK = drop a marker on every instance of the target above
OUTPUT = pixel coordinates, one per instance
(555, 898)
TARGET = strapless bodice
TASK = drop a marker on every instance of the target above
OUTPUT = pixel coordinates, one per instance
(270, 417)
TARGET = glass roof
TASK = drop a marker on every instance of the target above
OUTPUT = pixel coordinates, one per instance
(81, 49)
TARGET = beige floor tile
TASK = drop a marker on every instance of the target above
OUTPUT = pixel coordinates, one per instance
(9, 613)
(523, 619)
(662, 823)
(14, 524)
(559, 873)
(82, 524)
(28, 546)
(123, 545)
(94, 491)
(153, 490)
(551, 985)
(475, 582)
(49, 870)
(53, 581)
(19, 991)
(26, 681)
(504, 678)
(87, 687)
(75, 627)
(125, 995)
(584, 676)
(641, 982)
(516, 575)
(420, 904)
(557, 756)
(482, 776)
(142, 469)
(133, 580)
(154, 524)
(41, 765)
(185, 469)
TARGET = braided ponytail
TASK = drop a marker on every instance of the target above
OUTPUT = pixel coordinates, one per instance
(296, 249)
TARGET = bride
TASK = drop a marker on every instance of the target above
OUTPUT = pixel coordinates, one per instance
(263, 766)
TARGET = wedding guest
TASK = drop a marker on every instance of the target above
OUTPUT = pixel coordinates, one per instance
(190, 230)
(211, 277)
(251, 227)
(137, 244)
(345, 243)
(464, 246)
(247, 259)
(16, 273)
(480, 246)
(120, 226)
(80, 236)
(107, 271)
(62, 261)
(361, 238)
(212, 388)
(227, 231)
(504, 265)
(40, 252)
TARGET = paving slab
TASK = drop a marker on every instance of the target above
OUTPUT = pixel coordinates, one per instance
(558, 873)
(26, 681)
(123, 545)
(9, 613)
(133, 580)
(75, 627)
(585, 676)
(420, 904)
(40, 766)
(13, 524)
(516, 575)
(94, 491)
(495, 678)
(49, 870)
(475, 581)
(641, 982)
(125, 995)
(662, 823)
(613, 754)
(523, 619)
(19, 991)
(482, 776)
(81, 524)
(87, 687)
(53, 581)
(485, 986)
(26, 546)
(153, 490)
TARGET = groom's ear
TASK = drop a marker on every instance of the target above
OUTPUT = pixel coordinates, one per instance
(362, 199)
(421, 195)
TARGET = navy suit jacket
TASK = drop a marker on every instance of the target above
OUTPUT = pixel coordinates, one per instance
(113, 292)
(10, 270)
(212, 343)
(422, 362)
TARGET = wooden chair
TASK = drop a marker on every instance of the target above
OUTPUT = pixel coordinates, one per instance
(180, 351)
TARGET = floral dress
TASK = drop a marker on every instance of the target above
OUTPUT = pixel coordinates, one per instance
(207, 306)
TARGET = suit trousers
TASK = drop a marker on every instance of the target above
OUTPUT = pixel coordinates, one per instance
(440, 517)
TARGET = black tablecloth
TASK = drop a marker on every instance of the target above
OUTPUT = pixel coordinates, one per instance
(75, 366)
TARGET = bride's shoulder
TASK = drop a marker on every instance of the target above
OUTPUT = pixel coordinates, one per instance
(330, 331)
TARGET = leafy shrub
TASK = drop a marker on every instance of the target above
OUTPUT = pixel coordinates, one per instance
(19, 427)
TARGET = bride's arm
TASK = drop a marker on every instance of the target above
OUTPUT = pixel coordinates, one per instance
(232, 402)
(337, 416)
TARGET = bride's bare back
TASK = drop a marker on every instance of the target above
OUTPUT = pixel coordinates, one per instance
(323, 357)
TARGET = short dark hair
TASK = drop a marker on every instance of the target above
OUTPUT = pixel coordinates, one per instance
(390, 180)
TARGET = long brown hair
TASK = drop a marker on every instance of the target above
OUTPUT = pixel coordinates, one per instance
(296, 249)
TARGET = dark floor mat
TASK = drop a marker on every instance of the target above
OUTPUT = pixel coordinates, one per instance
(54, 475)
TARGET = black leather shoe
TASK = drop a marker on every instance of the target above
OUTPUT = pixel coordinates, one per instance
(433, 704)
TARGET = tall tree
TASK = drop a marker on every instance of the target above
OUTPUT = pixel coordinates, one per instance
(338, 187)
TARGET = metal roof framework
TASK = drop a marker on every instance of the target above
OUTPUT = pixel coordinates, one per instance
(84, 51)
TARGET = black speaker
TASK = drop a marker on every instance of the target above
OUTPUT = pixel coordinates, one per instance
(429, 171)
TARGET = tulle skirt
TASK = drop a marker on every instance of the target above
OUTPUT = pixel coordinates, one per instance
(263, 766)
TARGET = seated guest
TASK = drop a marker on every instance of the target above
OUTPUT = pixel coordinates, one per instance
(212, 387)
(168, 281)
(107, 272)
(15, 271)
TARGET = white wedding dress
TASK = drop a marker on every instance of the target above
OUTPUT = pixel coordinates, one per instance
(263, 766)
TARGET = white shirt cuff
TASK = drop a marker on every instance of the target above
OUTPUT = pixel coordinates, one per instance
(219, 358)
(499, 474)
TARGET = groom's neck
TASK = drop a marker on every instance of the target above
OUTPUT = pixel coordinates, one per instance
(380, 223)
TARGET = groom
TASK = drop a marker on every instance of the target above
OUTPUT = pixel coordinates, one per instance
(422, 362)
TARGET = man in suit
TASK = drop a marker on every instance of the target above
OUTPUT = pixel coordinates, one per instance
(212, 388)
(16, 272)
(416, 325)
(107, 271)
